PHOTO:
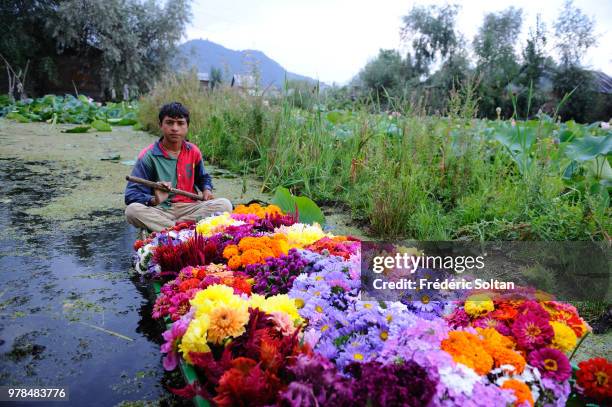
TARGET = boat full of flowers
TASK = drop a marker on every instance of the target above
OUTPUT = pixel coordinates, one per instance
(262, 310)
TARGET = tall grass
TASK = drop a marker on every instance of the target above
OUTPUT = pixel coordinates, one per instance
(440, 179)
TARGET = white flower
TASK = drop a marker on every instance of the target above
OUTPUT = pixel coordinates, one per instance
(459, 378)
(605, 125)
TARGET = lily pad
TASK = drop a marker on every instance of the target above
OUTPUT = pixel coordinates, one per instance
(78, 129)
(589, 147)
(101, 125)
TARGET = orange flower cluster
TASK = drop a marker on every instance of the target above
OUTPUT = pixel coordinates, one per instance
(521, 391)
(468, 349)
(258, 210)
(484, 351)
(255, 250)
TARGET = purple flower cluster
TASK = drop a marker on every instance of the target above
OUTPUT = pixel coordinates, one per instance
(317, 382)
(277, 274)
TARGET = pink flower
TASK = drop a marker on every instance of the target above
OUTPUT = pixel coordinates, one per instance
(489, 322)
(552, 363)
(171, 336)
(283, 323)
(531, 331)
(458, 319)
(533, 307)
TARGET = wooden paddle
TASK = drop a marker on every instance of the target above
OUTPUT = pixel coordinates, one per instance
(162, 187)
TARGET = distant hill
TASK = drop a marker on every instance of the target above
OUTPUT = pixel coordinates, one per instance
(204, 54)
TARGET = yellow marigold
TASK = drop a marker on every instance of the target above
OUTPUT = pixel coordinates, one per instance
(521, 391)
(195, 339)
(227, 322)
(230, 251)
(565, 338)
(478, 304)
(213, 224)
(467, 349)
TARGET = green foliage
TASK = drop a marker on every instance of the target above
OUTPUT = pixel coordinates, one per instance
(574, 34)
(307, 210)
(69, 109)
(431, 32)
(497, 63)
(78, 129)
(216, 77)
(386, 74)
(134, 40)
(408, 175)
(301, 94)
(578, 83)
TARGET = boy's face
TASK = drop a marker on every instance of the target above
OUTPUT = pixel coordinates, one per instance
(174, 129)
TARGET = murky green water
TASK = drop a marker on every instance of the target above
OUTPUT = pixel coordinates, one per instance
(71, 313)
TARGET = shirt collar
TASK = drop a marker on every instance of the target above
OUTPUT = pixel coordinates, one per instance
(158, 149)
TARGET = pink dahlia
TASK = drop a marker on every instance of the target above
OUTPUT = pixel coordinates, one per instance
(531, 331)
(552, 363)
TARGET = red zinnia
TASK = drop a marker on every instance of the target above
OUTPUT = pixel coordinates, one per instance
(595, 377)
(552, 363)
(531, 331)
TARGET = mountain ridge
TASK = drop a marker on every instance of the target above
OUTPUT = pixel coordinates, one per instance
(205, 54)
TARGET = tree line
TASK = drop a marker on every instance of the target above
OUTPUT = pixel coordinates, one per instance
(521, 79)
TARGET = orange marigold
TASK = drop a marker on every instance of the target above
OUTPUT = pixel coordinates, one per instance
(234, 262)
(251, 256)
(521, 391)
(230, 251)
(504, 356)
(493, 339)
(467, 349)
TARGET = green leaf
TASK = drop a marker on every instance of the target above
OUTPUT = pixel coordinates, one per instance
(308, 211)
(337, 117)
(101, 125)
(84, 99)
(566, 136)
(589, 147)
(126, 121)
(18, 117)
(78, 129)
(570, 170)
(284, 200)
(599, 168)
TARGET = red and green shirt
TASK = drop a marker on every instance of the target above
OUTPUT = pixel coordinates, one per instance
(185, 172)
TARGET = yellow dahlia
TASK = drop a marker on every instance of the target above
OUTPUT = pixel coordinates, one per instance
(226, 322)
(214, 224)
(257, 301)
(281, 303)
(195, 339)
(300, 235)
(207, 300)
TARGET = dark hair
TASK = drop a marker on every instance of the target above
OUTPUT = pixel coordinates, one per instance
(174, 110)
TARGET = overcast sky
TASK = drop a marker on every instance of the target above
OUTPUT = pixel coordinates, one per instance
(332, 40)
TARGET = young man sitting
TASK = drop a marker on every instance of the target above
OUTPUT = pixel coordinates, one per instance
(176, 163)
